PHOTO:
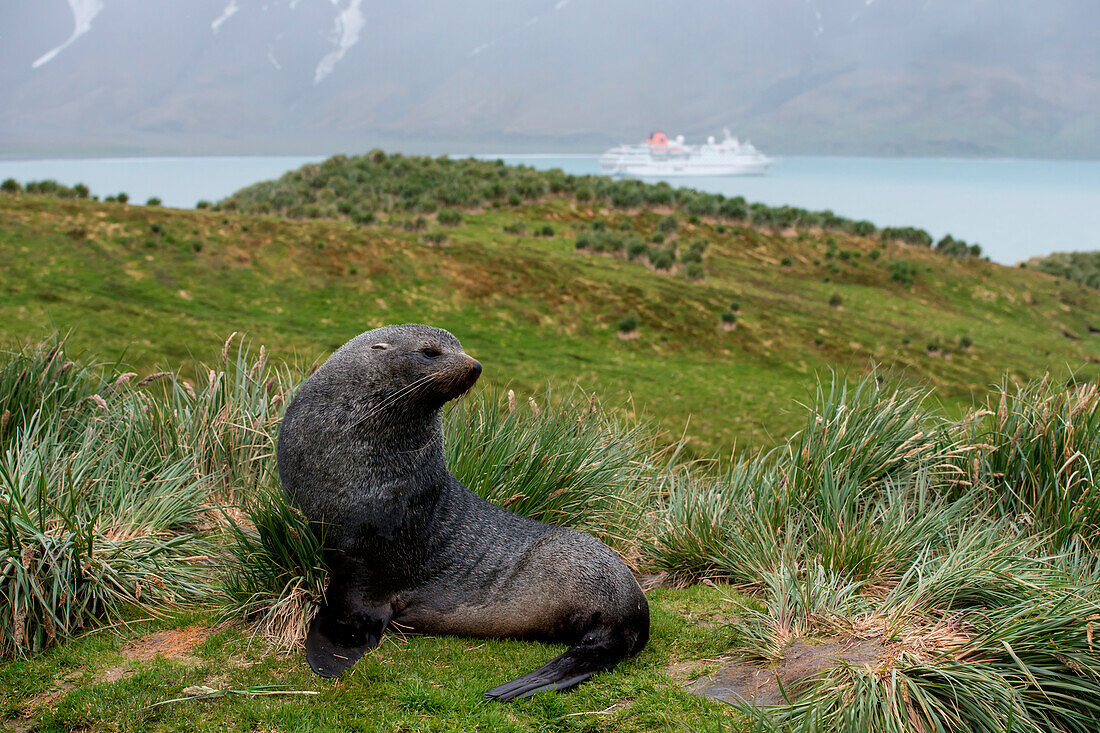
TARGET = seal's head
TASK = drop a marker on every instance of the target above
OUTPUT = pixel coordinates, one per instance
(405, 367)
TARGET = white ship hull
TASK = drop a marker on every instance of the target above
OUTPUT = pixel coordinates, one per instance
(663, 170)
(660, 157)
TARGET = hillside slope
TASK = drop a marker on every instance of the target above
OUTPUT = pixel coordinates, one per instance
(724, 355)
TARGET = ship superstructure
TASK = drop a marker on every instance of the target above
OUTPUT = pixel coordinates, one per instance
(660, 156)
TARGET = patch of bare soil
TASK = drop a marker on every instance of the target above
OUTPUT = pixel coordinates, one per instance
(802, 663)
(168, 643)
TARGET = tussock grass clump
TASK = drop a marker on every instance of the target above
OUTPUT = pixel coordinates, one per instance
(567, 462)
(980, 637)
(695, 531)
(40, 377)
(1036, 447)
(226, 423)
(96, 515)
(853, 491)
(276, 571)
(229, 422)
(937, 541)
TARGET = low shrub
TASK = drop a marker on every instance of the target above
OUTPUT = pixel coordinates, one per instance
(636, 249)
(694, 251)
(957, 248)
(668, 225)
(909, 235)
(903, 272)
(361, 217)
(661, 258)
(448, 217)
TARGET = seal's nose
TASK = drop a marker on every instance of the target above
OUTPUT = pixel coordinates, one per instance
(475, 368)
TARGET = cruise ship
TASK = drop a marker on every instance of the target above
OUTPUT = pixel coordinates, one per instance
(660, 156)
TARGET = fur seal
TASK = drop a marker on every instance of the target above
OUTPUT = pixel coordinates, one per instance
(360, 453)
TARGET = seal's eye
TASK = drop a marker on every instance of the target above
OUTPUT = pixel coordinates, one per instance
(381, 346)
(430, 352)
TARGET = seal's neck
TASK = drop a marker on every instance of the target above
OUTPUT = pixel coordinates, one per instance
(406, 446)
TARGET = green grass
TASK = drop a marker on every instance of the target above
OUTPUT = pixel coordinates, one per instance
(881, 516)
(411, 683)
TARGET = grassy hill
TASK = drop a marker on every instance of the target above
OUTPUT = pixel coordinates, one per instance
(149, 284)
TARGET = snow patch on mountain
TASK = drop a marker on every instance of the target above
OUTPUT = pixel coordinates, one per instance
(349, 23)
(84, 11)
(817, 17)
(229, 11)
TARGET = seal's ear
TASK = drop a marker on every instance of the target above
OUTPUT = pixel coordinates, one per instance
(381, 346)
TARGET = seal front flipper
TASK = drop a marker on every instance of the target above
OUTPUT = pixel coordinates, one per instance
(336, 641)
(332, 647)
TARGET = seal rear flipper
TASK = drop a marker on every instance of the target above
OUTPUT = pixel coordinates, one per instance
(597, 652)
(334, 645)
(541, 679)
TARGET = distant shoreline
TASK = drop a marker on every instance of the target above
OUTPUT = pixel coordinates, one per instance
(1015, 208)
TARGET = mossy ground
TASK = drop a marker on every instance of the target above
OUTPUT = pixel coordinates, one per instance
(408, 683)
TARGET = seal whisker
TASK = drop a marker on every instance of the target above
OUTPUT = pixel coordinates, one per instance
(392, 398)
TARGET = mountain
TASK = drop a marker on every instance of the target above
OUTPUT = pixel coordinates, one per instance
(953, 77)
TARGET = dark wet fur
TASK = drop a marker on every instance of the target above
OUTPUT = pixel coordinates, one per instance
(360, 452)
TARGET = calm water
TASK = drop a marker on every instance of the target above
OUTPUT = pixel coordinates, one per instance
(1014, 208)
